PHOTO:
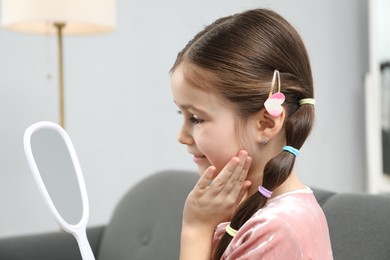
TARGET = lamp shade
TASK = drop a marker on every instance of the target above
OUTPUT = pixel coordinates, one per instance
(79, 16)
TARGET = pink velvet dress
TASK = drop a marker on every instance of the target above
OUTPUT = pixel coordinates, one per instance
(290, 226)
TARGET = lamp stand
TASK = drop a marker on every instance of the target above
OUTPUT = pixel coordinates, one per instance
(60, 27)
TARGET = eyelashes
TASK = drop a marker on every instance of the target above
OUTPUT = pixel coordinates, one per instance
(195, 120)
(192, 118)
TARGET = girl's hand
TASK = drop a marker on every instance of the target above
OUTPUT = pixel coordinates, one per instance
(207, 204)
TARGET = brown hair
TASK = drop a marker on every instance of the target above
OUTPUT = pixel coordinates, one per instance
(235, 58)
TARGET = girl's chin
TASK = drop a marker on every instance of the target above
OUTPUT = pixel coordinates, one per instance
(202, 166)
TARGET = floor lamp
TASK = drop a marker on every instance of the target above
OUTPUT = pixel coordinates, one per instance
(59, 17)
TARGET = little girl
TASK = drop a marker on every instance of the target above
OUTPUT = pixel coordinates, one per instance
(245, 90)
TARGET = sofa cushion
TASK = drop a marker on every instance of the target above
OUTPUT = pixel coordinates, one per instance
(359, 226)
(146, 223)
(53, 245)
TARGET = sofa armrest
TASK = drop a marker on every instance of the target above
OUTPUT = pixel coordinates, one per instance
(55, 245)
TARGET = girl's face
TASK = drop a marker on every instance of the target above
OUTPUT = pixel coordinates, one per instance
(208, 129)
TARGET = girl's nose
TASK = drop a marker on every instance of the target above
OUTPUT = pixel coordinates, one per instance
(184, 138)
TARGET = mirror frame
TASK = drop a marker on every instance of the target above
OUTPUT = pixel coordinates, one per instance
(40, 183)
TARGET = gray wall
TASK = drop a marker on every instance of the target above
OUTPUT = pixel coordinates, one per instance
(120, 112)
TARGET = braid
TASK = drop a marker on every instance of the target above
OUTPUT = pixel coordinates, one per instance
(276, 171)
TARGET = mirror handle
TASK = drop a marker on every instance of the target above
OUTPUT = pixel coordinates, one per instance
(84, 246)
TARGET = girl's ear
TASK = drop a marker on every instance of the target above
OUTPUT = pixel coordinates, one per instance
(267, 126)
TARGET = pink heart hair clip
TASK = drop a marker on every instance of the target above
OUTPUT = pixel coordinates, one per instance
(274, 102)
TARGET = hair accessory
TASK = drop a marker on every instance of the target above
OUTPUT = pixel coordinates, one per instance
(291, 149)
(309, 101)
(232, 232)
(266, 193)
(274, 102)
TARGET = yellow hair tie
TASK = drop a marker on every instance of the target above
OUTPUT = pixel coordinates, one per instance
(232, 232)
(310, 101)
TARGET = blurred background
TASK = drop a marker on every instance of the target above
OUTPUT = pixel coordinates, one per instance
(120, 113)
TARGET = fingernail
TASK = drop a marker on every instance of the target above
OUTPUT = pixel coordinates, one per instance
(243, 153)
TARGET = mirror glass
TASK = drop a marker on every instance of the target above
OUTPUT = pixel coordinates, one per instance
(58, 173)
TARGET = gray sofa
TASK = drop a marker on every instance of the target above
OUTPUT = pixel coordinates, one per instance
(146, 225)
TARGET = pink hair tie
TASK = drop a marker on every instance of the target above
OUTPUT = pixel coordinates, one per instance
(266, 193)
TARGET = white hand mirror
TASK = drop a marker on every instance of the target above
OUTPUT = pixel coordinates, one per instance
(57, 173)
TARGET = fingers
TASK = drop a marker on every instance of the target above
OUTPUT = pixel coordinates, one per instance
(244, 191)
(219, 200)
(230, 180)
(245, 168)
(238, 175)
(237, 185)
(226, 173)
(206, 178)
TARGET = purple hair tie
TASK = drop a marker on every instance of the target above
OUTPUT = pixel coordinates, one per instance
(266, 193)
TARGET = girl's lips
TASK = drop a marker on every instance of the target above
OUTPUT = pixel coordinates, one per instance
(198, 158)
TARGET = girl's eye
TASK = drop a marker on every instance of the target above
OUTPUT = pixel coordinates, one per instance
(195, 120)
